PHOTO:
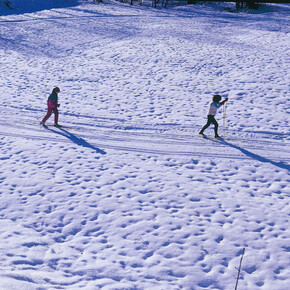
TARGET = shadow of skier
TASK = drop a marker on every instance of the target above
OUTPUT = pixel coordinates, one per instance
(77, 140)
(258, 157)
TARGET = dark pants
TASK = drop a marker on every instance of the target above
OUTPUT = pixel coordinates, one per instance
(211, 120)
(49, 112)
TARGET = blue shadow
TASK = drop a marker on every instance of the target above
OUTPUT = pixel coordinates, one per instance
(78, 141)
(17, 7)
(258, 157)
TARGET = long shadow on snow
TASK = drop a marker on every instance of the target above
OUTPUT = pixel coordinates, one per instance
(256, 156)
(34, 6)
(76, 140)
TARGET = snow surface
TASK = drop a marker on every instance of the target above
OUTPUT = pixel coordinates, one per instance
(129, 196)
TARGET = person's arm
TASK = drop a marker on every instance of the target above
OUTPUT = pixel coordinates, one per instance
(55, 100)
(52, 99)
(225, 100)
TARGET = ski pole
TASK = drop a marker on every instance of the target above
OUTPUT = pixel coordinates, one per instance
(224, 121)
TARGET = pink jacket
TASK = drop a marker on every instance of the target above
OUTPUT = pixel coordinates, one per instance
(51, 104)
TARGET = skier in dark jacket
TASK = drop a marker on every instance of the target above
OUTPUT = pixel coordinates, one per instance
(212, 112)
(52, 105)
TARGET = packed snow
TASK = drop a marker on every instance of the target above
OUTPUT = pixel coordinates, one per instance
(127, 195)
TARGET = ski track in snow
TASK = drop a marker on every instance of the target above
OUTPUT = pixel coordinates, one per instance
(129, 196)
(159, 139)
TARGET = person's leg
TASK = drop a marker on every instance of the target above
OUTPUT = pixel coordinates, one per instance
(55, 110)
(48, 114)
(206, 125)
(216, 126)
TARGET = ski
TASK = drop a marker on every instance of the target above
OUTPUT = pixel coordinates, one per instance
(59, 127)
(43, 125)
(211, 138)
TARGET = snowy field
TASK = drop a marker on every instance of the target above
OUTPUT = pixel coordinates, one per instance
(127, 195)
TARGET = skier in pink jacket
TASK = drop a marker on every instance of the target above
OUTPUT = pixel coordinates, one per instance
(212, 112)
(52, 105)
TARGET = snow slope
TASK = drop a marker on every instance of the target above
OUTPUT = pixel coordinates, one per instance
(8, 7)
(127, 196)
